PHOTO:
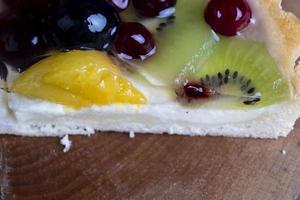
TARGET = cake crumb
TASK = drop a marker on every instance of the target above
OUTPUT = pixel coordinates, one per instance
(131, 134)
(283, 151)
(66, 142)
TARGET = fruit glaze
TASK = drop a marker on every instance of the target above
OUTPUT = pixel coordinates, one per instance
(85, 52)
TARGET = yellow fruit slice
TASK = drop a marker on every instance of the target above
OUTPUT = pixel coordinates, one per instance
(78, 79)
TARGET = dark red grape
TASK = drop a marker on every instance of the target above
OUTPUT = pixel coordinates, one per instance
(134, 42)
(119, 5)
(22, 41)
(228, 17)
(88, 24)
(155, 8)
(197, 90)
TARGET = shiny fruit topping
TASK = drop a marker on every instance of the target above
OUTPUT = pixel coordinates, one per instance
(33, 7)
(134, 42)
(119, 5)
(22, 42)
(198, 90)
(195, 90)
(155, 8)
(228, 17)
(88, 24)
(78, 79)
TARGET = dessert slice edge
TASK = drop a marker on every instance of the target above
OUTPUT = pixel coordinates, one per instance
(281, 34)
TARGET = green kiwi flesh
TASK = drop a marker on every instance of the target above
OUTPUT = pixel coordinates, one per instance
(239, 70)
(176, 42)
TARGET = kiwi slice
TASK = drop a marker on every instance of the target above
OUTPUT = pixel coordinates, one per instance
(178, 38)
(241, 72)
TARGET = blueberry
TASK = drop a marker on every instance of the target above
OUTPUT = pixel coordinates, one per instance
(88, 24)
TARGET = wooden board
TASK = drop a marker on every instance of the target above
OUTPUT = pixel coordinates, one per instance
(113, 166)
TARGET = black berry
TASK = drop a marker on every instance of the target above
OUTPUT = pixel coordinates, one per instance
(88, 24)
(22, 41)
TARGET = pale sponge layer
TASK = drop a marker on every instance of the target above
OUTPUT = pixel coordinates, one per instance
(39, 118)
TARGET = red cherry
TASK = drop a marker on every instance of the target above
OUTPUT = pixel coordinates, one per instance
(119, 5)
(198, 91)
(155, 8)
(228, 17)
(134, 42)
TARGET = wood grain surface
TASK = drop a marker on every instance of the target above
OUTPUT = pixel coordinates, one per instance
(113, 166)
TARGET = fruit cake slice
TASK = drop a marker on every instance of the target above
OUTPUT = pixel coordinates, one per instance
(189, 67)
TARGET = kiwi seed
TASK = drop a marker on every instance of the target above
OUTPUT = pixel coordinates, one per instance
(227, 72)
(226, 80)
(251, 91)
(207, 77)
(252, 101)
(163, 25)
(235, 75)
(220, 76)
